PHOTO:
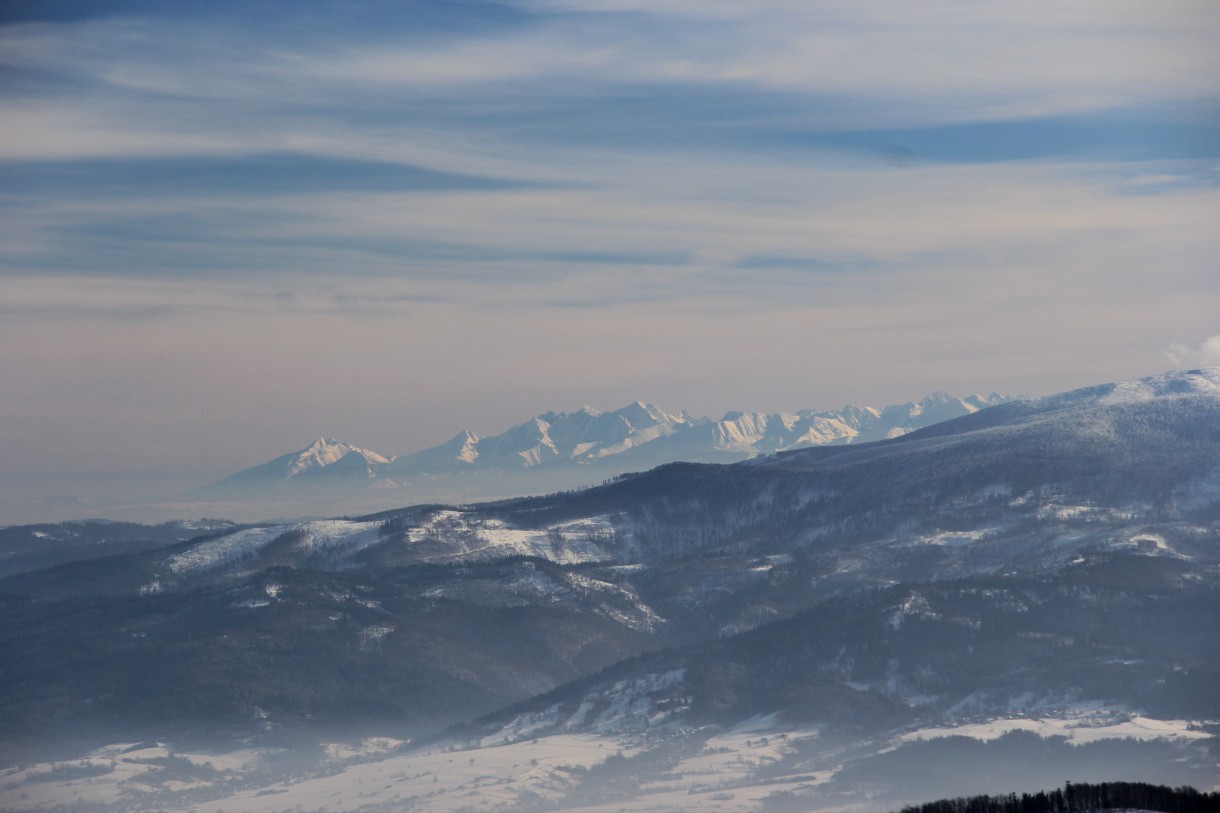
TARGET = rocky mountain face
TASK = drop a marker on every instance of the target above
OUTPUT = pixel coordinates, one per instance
(888, 607)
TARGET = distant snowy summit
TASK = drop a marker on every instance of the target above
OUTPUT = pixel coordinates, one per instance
(585, 436)
(569, 449)
(1178, 383)
(323, 462)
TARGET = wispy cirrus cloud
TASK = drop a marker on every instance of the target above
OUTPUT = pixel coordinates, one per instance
(934, 64)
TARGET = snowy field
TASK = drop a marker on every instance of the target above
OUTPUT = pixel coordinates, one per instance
(439, 781)
(1080, 726)
(731, 770)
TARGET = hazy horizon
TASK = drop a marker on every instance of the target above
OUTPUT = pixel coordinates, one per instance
(160, 494)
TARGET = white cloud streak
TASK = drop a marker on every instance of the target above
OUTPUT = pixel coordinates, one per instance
(1206, 354)
(903, 64)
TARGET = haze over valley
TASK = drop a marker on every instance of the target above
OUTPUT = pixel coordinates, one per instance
(553, 451)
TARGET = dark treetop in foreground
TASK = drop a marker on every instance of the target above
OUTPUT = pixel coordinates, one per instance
(1083, 798)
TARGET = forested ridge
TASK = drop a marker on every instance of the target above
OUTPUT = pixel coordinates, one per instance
(1082, 798)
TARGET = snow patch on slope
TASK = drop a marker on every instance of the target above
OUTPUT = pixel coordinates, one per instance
(311, 538)
(1190, 382)
(1085, 724)
(461, 535)
(217, 552)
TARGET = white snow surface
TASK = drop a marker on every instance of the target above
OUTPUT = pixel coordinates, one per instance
(442, 780)
(329, 533)
(1080, 725)
(226, 549)
(316, 536)
(445, 535)
(1204, 381)
(467, 535)
(124, 770)
(624, 706)
(955, 539)
(726, 769)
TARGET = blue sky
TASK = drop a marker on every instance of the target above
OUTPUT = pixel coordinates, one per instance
(227, 228)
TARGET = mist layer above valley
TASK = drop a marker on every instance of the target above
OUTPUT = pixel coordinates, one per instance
(553, 451)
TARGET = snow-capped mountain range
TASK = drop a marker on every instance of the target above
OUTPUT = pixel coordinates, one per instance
(587, 445)
(1043, 567)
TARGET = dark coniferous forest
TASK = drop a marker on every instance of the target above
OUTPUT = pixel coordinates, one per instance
(1082, 798)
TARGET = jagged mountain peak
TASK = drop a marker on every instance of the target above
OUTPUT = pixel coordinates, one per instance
(322, 452)
(937, 397)
(326, 451)
(586, 435)
(644, 410)
(325, 461)
(587, 444)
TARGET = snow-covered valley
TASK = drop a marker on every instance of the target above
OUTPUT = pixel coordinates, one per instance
(743, 768)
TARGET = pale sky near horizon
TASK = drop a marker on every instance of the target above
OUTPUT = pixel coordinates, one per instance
(227, 228)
